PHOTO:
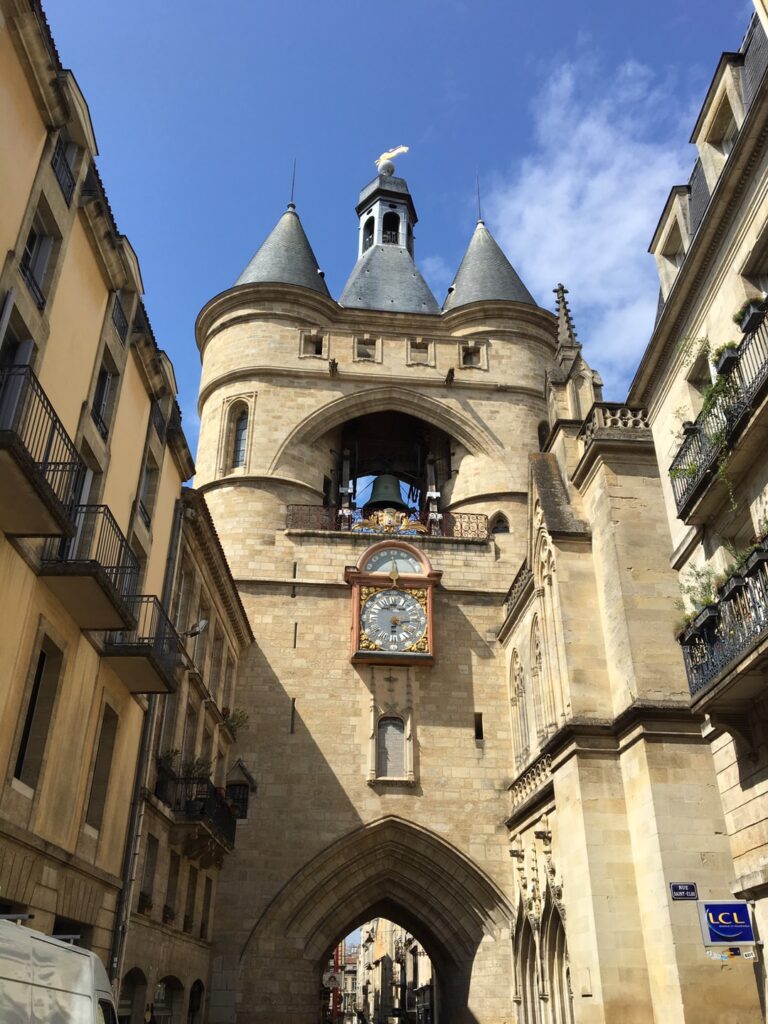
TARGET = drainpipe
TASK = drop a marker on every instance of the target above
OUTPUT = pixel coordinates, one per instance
(136, 819)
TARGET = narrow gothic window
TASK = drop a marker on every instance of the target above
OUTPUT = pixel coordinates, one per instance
(238, 446)
(390, 748)
(368, 234)
(499, 524)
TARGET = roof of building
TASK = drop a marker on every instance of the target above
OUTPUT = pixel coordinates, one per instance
(386, 278)
(286, 257)
(485, 274)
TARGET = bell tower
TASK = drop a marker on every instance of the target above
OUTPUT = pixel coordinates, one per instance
(386, 212)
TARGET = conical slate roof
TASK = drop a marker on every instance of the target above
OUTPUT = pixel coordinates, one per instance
(285, 257)
(386, 278)
(485, 274)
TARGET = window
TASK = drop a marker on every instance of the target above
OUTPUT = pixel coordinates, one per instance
(189, 905)
(390, 748)
(216, 660)
(37, 723)
(365, 348)
(190, 737)
(312, 345)
(201, 640)
(148, 490)
(724, 129)
(368, 234)
(418, 351)
(182, 598)
(101, 397)
(36, 260)
(470, 355)
(206, 914)
(238, 794)
(543, 432)
(63, 162)
(479, 725)
(171, 889)
(239, 439)
(499, 524)
(390, 225)
(148, 874)
(94, 815)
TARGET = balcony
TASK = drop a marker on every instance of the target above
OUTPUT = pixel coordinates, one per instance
(147, 657)
(63, 171)
(709, 442)
(119, 319)
(197, 802)
(94, 573)
(40, 467)
(388, 522)
(726, 648)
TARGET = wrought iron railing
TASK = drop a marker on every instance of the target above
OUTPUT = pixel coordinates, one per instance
(740, 623)
(63, 171)
(26, 412)
(158, 420)
(519, 584)
(119, 319)
(154, 634)
(101, 425)
(390, 237)
(715, 427)
(458, 525)
(31, 281)
(97, 539)
(198, 800)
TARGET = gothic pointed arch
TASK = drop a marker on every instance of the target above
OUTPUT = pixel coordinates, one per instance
(554, 958)
(474, 437)
(519, 708)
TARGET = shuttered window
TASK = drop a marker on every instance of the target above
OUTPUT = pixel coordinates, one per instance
(390, 748)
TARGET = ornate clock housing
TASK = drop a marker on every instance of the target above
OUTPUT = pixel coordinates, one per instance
(392, 587)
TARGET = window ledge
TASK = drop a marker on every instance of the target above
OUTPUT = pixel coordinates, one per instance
(386, 781)
(22, 787)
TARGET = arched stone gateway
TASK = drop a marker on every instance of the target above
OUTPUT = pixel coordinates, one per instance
(390, 868)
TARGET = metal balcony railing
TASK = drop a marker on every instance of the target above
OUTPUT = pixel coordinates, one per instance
(97, 539)
(28, 416)
(739, 625)
(63, 171)
(154, 633)
(715, 427)
(196, 800)
(458, 525)
(31, 282)
(119, 319)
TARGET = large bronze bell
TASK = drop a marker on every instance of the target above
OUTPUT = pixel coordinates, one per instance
(385, 493)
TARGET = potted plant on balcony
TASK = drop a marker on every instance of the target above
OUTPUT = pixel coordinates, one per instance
(237, 719)
(145, 903)
(750, 315)
(197, 768)
(731, 586)
(726, 357)
(698, 593)
(690, 427)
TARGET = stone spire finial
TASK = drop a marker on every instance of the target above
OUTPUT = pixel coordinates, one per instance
(566, 332)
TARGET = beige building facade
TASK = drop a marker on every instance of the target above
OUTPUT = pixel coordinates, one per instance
(702, 379)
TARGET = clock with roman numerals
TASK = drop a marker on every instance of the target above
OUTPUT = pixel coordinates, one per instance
(392, 587)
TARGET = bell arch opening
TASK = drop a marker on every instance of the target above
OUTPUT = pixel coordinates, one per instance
(395, 870)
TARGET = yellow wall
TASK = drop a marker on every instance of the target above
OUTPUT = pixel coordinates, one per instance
(23, 135)
(127, 445)
(162, 517)
(77, 316)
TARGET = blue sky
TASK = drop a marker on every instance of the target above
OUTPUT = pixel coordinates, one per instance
(576, 115)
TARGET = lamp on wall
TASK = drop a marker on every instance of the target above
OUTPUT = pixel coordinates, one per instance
(199, 627)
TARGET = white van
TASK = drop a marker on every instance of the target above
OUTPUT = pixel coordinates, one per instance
(45, 981)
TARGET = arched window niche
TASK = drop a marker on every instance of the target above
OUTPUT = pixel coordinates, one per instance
(390, 747)
(368, 234)
(236, 436)
(390, 229)
(499, 524)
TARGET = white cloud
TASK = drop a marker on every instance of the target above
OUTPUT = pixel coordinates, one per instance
(582, 208)
(437, 274)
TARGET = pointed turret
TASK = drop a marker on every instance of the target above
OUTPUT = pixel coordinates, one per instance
(485, 274)
(286, 257)
(385, 276)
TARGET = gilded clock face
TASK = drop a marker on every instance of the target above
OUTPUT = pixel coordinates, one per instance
(405, 562)
(393, 620)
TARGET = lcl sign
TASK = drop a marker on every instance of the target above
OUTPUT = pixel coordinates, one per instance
(726, 924)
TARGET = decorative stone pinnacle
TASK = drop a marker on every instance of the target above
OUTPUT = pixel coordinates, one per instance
(566, 332)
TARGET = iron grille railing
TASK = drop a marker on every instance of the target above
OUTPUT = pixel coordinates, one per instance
(198, 800)
(390, 237)
(63, 171)
(158, 420)
(26, 412)
(716, 426)
(740, 623)
(519, 584)
(31, 281)
(154, 634)
(97, 539)
(458, 525)
(101, 425)
(119, 319)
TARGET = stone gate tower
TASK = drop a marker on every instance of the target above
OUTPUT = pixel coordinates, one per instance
(371, 465)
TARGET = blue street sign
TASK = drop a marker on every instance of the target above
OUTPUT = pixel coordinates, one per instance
(684, 890)
(726, 923)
